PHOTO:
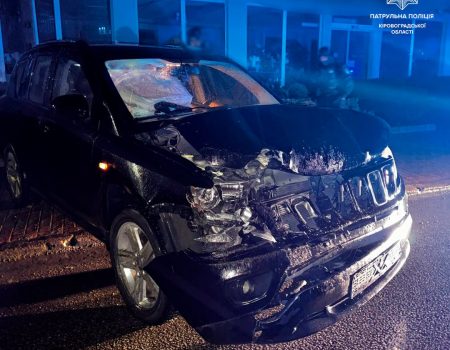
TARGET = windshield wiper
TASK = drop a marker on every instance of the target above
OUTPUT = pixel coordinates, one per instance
(165, 108)
(169, 108)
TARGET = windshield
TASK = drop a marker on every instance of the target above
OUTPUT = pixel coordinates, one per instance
(152, 86)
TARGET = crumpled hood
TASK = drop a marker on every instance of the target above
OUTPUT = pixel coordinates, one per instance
(320, 140)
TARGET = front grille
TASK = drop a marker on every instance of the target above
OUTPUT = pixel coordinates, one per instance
(382, 184)
(377, 187)
(361, 191)
(336, 198)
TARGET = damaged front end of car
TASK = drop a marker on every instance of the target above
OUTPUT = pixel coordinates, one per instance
(284, 243)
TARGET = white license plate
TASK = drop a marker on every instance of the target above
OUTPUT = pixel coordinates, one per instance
(374, 270)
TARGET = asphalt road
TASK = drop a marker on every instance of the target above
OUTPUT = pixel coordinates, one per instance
(67, 300)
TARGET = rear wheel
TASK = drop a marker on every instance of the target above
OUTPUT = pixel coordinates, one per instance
(15, 177)
(133, 247)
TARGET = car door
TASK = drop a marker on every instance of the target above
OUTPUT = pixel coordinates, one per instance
(70, 142)
(16, 128)
(34, 112)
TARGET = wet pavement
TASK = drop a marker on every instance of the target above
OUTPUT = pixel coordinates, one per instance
(54, 298)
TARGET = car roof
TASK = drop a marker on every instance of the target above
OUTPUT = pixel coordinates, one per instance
(107, 52)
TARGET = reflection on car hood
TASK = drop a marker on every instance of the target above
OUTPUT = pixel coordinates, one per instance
(315, 140)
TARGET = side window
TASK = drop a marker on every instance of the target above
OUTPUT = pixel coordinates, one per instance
(14, 83)
(70, 79)
(22, 78)
(39, 78)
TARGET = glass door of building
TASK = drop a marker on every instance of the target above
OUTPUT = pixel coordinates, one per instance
(351, 47)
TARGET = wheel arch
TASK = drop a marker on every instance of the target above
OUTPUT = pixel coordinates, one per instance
(118, 194)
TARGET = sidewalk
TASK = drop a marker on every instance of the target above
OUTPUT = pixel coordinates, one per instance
(422, 174)
(39, 226)
(423, 159)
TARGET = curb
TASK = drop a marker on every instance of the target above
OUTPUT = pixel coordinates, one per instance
(417, 191)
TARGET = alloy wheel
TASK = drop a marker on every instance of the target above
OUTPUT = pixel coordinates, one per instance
(134, 252)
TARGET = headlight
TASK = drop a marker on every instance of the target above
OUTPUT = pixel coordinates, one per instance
(220, 213)
(208, 198)
(204, 198)
(232, 191)
(387, 153)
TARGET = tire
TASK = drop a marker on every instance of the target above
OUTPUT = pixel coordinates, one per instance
(131, 234)
(15, 177)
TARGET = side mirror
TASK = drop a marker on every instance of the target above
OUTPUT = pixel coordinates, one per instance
(73, 106)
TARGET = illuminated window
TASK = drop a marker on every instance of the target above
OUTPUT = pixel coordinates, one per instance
(352, 19)
(302, 38)
(16, 36)
(206, 26)
(264, 32)
(395, 56)
(427, 50)
(86, 19)
(159, 22)
(351, 48)
(358, 54)
(45, 20)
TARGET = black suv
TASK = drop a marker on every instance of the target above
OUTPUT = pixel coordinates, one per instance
(261, 222)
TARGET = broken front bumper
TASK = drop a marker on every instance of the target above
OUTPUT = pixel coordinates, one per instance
(293, 295)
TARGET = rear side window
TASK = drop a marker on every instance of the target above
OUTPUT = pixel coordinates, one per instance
(15, 80)
(39, 78)
(22, 78)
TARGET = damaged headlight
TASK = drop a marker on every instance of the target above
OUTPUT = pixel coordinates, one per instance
(204, 198)
(232, 191)
(223, 216)
(208, 198)
(219, 214)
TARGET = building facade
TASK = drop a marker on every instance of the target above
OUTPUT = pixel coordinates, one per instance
(276, 39)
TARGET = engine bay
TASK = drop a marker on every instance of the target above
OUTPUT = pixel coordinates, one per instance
(276, 195)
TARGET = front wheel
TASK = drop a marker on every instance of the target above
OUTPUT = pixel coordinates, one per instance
(133, 246)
